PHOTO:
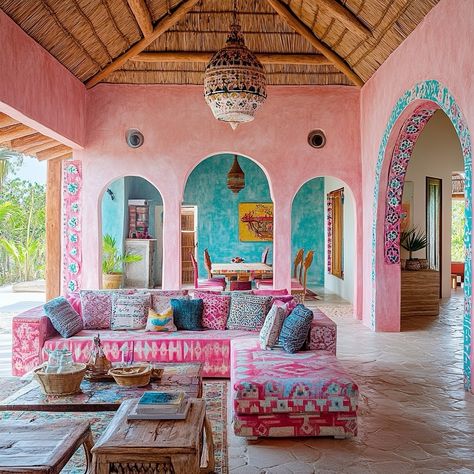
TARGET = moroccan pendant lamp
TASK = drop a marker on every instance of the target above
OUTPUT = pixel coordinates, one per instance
(235, 177)
(234, 81)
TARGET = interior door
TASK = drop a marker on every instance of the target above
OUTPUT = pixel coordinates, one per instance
(188, 241)
(434, 223)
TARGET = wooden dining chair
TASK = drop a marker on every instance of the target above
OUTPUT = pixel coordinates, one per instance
(208, 266)
(299, 287)
(265, 255)
(267, 283)
(210, 283)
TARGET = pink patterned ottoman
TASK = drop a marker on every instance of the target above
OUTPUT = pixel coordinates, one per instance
(279, 394)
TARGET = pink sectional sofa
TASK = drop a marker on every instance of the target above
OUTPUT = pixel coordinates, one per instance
(33, 334)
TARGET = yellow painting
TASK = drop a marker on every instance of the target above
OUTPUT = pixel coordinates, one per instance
(256, 221)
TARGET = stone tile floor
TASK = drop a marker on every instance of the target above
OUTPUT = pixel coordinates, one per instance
(415, 416)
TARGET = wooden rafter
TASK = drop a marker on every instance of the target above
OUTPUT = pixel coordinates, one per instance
(15, 131)
(345, 16)
(30, 140)
(6, 120)
(33, 150)
(52, 153)
(204, 57)
(294, 22)
(162, 26)
(142, 15)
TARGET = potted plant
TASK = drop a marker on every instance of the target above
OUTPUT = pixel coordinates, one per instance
(113, 262)
(413, 240)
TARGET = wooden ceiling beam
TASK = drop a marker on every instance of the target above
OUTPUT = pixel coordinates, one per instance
(53, 152)
(161, 27)
(204, 57)
(41, 147)
(345, 16)
(29, 140)
(142, 15)
(6, 120)
(294, 22)
(15, 131)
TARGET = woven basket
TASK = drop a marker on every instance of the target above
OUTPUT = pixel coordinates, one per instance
(134, 376)
(66, 383)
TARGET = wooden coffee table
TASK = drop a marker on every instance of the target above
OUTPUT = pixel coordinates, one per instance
(42, 447)
(107, 396)
(179, 446)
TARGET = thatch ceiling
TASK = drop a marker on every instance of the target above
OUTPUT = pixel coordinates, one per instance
(87, 36)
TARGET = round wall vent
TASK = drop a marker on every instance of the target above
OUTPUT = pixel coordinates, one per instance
(317, 139)
(134, 138)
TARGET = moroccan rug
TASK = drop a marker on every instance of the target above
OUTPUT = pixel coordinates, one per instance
(214, 392)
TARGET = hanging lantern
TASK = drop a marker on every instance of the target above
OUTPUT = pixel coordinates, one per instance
(234, 81)
(235, 177)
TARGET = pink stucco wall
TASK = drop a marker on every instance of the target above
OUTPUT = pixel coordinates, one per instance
(440, 48)
(37, 90)
(180, 131)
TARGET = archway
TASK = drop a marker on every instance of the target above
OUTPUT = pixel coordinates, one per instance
(406, 122)
(323, 219)
(132, 217)
(217, 213)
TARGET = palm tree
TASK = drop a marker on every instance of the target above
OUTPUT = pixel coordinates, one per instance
(5, 164)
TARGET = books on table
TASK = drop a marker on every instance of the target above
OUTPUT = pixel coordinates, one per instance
(161, 406)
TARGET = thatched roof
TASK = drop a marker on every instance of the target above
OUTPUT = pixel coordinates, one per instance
(87, 36)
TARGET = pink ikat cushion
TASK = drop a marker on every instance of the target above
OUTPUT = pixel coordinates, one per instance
(215, 309)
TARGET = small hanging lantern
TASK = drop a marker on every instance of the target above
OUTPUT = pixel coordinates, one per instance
(234, 81)
(235, 177)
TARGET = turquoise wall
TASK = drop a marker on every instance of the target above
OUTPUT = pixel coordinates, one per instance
(113, 211)
(307, 227)
(217, 207)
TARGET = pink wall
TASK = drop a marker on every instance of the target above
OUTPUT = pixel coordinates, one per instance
(180, 132)
(440, 49)
(37, 90)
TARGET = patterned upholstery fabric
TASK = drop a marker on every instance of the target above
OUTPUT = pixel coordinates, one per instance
(75, 301)
(272, 326)
(215, 309)
(295, 329)
(96, 308)
(270, 292)
(161, 303)
(129, 311)
(188, 314)
(323, 334)
(160, 321)
(63, 317)
(271, 382)
(210, 347)
(248, 311)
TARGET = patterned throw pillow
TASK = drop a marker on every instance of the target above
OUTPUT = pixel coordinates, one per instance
(63, 317)
(272, 326)
(295, 329)
(187, 314)
(162, 322)
(75, 301)
(129, 311)
(215, 309)
(160, 302)
(247, 312)
(96, 308)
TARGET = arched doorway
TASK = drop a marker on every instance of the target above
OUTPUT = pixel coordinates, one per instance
(132, 221)
(408, 118)
(212, 214)
(323, 220)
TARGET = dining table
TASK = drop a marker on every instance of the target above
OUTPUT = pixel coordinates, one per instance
(241, 269)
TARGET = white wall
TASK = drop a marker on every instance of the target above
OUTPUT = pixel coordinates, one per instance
(437, 154)
(342, 287)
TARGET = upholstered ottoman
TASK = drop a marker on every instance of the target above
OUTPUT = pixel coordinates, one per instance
(279, 394)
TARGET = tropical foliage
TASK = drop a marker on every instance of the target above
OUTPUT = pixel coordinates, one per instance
(113, 259)
(22, 224)
(413, 240)
(457, 231)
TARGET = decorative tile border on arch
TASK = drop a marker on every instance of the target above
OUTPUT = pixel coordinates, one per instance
(72, 254)
(402, 153)
(329, 232)
(435, 92)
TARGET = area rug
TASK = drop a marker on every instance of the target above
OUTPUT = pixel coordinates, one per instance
(214, 392)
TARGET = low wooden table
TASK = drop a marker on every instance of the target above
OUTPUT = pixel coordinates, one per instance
(42, 447)
(107, 396)
(148, 446)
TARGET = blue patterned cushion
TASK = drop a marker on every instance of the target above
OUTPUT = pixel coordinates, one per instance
(295, 329)
(247, 312)
(187, 314)
(63, 317)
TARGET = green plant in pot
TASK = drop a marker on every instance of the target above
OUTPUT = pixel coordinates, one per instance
(414, 240)
(113, 261)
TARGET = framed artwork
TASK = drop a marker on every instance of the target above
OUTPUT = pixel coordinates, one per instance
(255, 221)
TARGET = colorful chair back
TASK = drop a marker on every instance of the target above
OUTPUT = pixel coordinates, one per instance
(297, 264)
(195, 269)
(265, 255)
(207, 263)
